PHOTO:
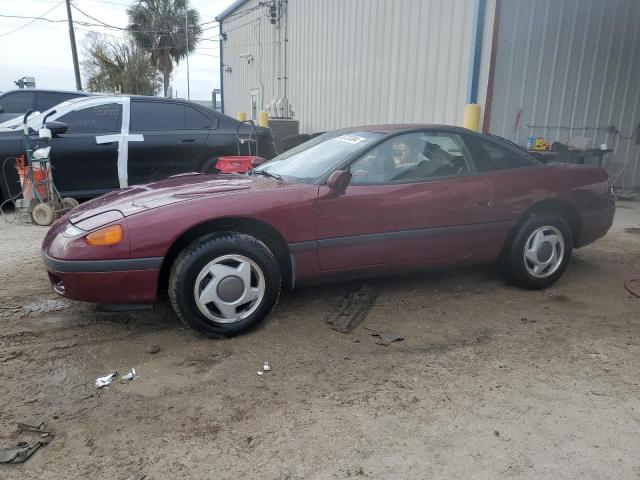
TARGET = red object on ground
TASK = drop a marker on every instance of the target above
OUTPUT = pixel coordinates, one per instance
(237, 164)
(40, 176)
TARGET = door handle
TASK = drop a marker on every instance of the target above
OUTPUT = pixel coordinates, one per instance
(188, 140)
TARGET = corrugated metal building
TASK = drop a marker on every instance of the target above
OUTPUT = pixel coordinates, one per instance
(568, 70)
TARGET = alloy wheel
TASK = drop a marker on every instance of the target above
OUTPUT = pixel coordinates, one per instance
(229, 288)
(544, 251)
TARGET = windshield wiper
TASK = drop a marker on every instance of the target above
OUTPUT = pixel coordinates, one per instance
(266, 174)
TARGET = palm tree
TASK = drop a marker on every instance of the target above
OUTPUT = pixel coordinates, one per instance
(159, 26)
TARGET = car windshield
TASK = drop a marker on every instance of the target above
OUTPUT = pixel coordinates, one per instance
(35, 121)
(316, 157)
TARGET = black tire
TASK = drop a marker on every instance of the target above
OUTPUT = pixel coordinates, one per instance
(192, 260)
(514, 259)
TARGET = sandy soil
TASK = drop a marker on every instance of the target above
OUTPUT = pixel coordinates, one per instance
(489, 382)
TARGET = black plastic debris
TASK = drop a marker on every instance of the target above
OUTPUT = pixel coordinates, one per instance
(353, 308)
(34, 427)
(31, 424)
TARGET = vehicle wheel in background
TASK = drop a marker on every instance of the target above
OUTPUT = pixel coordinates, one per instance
(69, 203)
(224, 284)
(43, 214)
(539, 252)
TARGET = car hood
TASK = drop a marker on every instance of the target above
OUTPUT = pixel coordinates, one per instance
(179, 188)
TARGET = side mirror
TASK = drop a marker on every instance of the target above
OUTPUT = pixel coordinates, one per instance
(1, 109)
(338, 181)
(56, 128)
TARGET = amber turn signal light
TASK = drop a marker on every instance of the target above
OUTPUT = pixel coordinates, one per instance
(104, 237)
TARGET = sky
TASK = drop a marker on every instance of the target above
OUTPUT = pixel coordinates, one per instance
(42, 49)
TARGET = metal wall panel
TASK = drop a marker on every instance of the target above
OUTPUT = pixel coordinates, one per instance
(572, 67)
(353, 62)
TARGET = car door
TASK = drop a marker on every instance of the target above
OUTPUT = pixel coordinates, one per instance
(412, 198)
(173, 138)
(81, 165)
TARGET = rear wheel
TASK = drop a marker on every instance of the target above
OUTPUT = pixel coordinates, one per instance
(69, 203)
(224, 284)
(540, 251)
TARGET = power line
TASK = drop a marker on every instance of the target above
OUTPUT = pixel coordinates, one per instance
(94, 18)
(243, 25)
(206, 55)
(82, 23)
(33, 19)
(141, 48)
(241, 13)
(77, 22)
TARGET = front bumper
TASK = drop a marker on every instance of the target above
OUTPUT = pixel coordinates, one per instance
(105, 281)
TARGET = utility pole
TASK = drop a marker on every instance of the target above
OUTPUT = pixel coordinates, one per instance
(74, 52)
(186, 34)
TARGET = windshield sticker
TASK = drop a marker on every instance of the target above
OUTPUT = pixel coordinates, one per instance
(350, 138)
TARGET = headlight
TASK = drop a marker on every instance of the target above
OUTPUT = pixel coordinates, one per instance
(72, 231)
(99, 220)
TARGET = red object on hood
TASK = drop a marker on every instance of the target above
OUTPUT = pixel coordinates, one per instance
(238, 164)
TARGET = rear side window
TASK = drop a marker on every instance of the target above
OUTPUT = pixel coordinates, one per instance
(96, 119)
(157, 116)
(196, 120)
(489, 156)
(17, 102)
(46, 100)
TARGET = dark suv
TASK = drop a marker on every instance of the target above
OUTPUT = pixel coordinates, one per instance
(18, 102)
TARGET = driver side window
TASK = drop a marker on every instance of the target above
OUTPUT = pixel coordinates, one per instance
(411, 157)
(96, 119)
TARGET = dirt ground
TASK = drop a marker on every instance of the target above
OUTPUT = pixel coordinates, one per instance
(489, 382)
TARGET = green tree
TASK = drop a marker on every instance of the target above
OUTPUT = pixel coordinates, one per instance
(118, 66)
(160, 27)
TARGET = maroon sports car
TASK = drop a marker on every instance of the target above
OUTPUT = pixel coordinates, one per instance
(347, 203)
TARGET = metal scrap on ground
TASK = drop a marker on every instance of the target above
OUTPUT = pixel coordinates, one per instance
(131, 375)
(24, 449)
(353, 308)
(385, 338)
(106, 380)
(266, 367)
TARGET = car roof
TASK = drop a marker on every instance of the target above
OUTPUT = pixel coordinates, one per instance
(399, 127)
(47, 90)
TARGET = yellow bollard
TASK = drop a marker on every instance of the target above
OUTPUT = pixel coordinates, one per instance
(263, 119)
(472, 117)
(242, 116)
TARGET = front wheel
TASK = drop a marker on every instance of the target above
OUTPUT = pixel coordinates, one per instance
(43, 214)
(224, 284)
(540, 251)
